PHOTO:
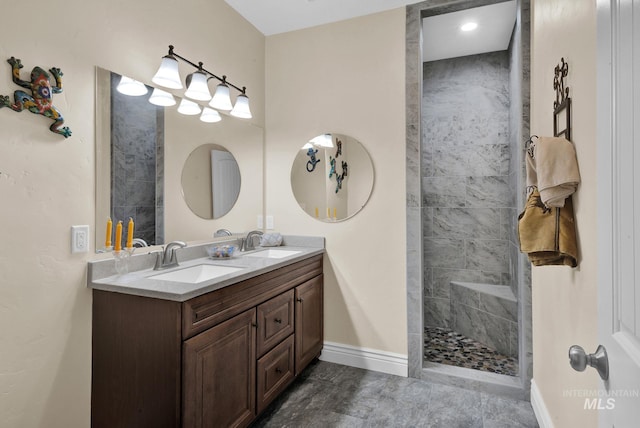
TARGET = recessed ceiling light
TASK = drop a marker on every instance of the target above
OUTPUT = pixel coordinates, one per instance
(469, 26)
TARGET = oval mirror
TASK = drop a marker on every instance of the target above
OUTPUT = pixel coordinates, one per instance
(210, 181)
(332, 177)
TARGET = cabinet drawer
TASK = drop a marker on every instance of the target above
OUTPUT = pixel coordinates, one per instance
(275, 321)
(275, 372)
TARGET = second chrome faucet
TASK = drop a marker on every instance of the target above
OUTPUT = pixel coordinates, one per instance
(247, 243)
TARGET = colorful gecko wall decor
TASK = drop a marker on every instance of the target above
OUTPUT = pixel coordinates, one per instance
(39, 102)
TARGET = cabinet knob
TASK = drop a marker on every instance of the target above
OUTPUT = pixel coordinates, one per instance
(278, 370)
(278, 320)
(253, 324)
(300, 299)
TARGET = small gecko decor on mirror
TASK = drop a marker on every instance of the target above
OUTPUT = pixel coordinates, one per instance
(39, 102)
(311, 163)
(333, 163)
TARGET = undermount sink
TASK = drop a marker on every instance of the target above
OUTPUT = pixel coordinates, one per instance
(272, 253)
(195, 274)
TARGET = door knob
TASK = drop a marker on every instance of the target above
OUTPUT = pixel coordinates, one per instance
(579, 360)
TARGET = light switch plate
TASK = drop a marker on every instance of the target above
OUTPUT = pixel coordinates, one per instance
(260, 221)
(270, 222)
(80, 239)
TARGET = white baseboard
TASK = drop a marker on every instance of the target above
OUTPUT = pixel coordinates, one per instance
(539, 408)
(364, 358)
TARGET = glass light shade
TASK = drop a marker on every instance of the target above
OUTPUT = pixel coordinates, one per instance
(307, 146)
(188, 107)
(323, 140)
(161, 98)
(221, 99)
(168, 74)
(241, 109)
(128, 86)
(197, 88)
(209, 115)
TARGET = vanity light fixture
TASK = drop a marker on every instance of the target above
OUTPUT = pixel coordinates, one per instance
(221, 99)
(188, 108)
(469, 26)
(128, 86)
(161, 98)
(210, 115)
(324, 140)
(168, 76)
(197, 88)
(241, 108)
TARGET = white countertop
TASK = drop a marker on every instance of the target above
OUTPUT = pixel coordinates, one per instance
(140, 283)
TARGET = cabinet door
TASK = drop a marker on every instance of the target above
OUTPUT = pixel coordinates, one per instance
(309, 322)
(219, 374)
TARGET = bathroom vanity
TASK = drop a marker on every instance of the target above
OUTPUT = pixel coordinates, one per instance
(215, 356)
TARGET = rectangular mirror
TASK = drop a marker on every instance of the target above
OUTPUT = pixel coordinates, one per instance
(146, 155)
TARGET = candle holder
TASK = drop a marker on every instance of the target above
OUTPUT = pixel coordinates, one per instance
(122, 260)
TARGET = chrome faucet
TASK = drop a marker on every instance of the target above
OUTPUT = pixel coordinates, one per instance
(222, 232)
(167, 258)
(247, 243)
(139, 242)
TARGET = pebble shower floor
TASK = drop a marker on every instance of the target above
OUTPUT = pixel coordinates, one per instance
(445, 346)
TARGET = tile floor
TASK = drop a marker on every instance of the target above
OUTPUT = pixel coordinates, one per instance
(445, 346)
(328, 395)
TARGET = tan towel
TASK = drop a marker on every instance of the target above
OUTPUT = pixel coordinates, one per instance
(555, 167)
(548, 235)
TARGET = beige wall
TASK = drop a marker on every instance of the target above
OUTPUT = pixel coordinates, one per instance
(565, 299)
(47, 182)
(346, 78)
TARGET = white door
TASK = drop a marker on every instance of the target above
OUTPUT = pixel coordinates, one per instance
(619, 209)
(225, 182)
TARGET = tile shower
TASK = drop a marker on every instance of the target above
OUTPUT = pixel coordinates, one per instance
(473, 119)
(468, 199)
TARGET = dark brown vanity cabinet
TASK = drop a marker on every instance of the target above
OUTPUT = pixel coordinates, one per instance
(216, 360)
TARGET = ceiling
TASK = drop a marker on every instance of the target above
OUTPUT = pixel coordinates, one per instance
(441, 35)
(279, 16)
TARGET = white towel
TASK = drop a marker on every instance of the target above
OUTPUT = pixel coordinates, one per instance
(555, 168)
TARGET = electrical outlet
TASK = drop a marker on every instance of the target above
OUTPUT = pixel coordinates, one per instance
(270, 222)
(79, 239)
(260, 221)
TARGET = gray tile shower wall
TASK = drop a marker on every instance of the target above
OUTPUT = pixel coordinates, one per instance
(467, 177)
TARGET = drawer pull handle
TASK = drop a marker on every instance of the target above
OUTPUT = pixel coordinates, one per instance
(278, 370)
(278, 320)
